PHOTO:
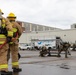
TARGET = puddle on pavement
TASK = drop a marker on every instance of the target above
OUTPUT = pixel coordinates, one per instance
(64, 66)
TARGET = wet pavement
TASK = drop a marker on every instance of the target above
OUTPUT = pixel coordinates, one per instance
(32, 64)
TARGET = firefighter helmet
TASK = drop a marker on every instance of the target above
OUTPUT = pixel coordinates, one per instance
(11, 15)
(1, 11)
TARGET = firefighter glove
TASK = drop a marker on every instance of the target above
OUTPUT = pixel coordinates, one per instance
(9, 39)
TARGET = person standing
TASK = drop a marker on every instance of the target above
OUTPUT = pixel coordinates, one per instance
(13, 45)
(6, 34)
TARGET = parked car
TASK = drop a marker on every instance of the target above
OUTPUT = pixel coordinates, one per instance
(25, 47)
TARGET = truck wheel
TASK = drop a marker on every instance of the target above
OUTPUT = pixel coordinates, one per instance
(28, 48)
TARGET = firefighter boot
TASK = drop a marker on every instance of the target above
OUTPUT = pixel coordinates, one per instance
(6, 73)
(17, 69)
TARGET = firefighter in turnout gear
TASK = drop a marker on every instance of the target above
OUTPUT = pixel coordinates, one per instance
(13, 46)
(6, 34)
(43, 51)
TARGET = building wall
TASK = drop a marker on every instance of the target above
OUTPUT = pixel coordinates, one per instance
(29, 27)
(68, 35)
(73, 26)
(22, 25)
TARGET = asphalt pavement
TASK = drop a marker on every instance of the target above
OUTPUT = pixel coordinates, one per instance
(32, 64)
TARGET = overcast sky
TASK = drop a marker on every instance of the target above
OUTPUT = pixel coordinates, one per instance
(54, 13)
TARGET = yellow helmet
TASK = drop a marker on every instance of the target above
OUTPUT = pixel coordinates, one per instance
(11, 15)
(1, 11)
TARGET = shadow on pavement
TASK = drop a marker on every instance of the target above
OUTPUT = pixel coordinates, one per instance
(15, 73)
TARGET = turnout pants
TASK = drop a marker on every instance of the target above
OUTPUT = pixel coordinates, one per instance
(3, 58)
(14, 55)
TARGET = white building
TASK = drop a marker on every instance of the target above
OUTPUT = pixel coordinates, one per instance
(68, 35)
(35, 31)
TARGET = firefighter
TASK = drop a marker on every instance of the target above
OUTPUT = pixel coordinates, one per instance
(13, 46)
(64, 47)
(43, 52)
(6, 34)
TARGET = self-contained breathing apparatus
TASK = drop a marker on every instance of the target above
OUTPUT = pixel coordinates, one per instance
(3, 29)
